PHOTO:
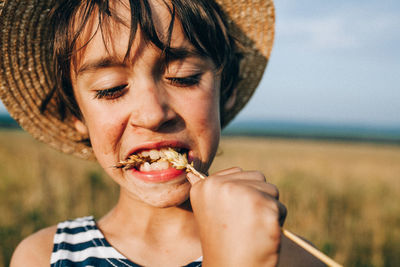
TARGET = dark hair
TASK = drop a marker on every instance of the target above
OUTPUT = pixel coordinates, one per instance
(202, 21)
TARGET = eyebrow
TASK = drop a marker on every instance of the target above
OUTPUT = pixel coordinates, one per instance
(173, 54)
(179, 53)
(102, 63)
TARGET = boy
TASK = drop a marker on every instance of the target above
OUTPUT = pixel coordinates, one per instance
(121, 79)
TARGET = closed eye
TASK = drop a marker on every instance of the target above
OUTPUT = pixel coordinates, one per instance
(185, 81)
(111, 93)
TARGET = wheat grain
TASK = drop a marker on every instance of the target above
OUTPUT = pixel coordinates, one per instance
(179, 161)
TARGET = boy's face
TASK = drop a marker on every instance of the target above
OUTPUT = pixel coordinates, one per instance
(137, 105)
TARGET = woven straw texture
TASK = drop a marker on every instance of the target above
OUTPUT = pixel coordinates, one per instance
(26, 69)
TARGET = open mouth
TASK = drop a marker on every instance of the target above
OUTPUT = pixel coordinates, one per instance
(155, 160)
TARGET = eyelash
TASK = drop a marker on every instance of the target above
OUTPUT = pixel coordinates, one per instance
(115, 92)
(111, 93)
(185, 81)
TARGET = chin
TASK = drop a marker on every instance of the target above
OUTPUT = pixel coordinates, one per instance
(166, 198)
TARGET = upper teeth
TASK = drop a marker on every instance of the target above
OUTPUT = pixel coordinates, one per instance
(148, 160)
(157, 158)
(152, 154)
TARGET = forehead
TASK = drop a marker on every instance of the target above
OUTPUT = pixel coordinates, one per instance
(105, 35)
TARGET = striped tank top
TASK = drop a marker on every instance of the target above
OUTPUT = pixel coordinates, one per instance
(80, 243)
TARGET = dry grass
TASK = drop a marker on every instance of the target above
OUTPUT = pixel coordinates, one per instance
(341, 196)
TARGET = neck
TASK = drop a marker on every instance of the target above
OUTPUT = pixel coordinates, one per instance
(152, 236)
(132, 217)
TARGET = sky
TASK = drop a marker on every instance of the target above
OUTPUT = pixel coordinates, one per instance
(332, 62)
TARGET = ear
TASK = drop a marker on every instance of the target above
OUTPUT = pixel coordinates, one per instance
(80, 127)
(230, 102)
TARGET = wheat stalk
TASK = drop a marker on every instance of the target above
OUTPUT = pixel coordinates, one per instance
(312, 250)
(179, 161)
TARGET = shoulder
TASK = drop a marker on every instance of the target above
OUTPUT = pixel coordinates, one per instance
(35, 249)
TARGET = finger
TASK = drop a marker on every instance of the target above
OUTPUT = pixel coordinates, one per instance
(228, 171)
(282, 213)
(192, 178)
(263, 187)
(270, 192)
(278, 209)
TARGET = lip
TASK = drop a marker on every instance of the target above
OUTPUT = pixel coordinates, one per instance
(156, 145)
(159, 176)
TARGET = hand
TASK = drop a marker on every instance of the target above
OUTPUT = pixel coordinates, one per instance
(239, 218)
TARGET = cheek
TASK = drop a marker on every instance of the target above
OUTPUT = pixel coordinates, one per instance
(207, 122)
(106, 139)
(202, 118)
(202, 106)
(105, 130)
(204, 112)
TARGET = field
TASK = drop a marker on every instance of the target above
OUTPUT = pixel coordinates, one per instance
(344, 197)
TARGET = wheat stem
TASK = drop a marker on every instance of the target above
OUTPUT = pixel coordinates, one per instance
(313, 251)
(191, 169)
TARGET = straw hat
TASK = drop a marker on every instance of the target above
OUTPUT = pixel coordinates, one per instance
(26, 70)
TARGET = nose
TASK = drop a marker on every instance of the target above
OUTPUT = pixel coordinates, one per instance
(152, 107)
